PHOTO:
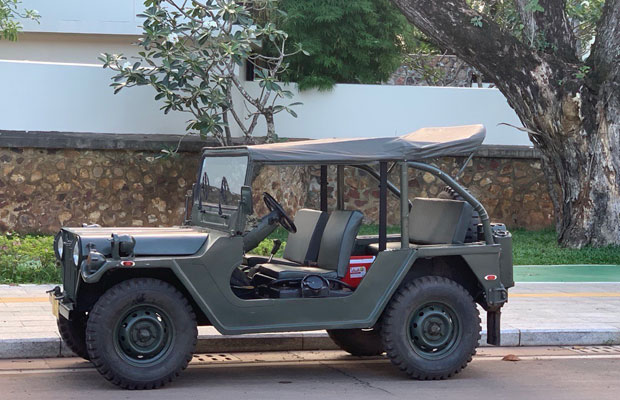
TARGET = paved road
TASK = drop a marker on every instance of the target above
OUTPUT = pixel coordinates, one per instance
(542, 373)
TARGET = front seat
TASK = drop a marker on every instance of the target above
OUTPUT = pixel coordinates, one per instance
(302, 247)
(334, 251)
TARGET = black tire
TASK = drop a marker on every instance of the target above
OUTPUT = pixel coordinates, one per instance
(358, 342)
(431, 328)
(141, 333)
(73, 333)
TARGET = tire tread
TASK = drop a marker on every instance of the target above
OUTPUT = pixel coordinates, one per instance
(94, 320)
(397, 302)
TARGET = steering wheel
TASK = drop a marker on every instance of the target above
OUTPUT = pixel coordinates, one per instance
(284, 220)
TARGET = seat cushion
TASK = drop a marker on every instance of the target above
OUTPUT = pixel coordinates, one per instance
(338, 240)
(439, 221)
(373, 248)
(303, 246)
(280, 271)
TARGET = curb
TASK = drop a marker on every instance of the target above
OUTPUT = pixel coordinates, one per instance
(53, 346)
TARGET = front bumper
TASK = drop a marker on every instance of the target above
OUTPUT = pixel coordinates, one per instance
(59, 306)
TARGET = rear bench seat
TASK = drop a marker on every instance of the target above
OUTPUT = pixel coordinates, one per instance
(434, 221)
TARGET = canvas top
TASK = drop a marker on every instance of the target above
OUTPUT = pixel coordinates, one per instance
(421, 144)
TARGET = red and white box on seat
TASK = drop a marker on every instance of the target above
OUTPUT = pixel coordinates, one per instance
(358, 267)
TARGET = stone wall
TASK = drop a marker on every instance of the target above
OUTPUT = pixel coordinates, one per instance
(513, 190)
(42, 189)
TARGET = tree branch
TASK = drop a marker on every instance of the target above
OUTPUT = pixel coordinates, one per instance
(550, 26)
(605, 56)
(494, 52)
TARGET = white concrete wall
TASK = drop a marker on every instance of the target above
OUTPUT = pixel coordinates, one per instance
(39, 96)
(384, 110)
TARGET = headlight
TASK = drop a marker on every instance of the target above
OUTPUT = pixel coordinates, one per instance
(76, 252)
(58, 245)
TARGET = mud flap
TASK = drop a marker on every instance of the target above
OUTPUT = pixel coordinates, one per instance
(493, 327)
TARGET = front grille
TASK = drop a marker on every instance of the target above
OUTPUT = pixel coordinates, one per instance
(69, 271)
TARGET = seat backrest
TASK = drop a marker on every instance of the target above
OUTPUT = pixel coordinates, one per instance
(303, 246)
(439, 221)
(338, 240)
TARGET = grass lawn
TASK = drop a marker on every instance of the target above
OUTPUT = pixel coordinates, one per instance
(540, 248)
(30, 258)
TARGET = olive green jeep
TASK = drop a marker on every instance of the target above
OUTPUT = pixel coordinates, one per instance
(132, 298)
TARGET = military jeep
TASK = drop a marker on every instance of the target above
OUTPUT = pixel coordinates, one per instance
(132, 298)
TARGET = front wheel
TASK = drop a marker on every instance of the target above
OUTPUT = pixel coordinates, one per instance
(73, 333)
(431, 328)
(141, 333)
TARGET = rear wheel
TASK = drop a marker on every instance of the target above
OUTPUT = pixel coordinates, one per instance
(73, 334)
(431, 328)
(141, 334)
(358, 342)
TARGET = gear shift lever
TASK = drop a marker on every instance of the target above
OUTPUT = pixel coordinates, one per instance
(276, 246)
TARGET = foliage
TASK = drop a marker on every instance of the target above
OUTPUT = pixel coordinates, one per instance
(27, 259)
(264, 248)
(349, 41)
(191, 55)
(10, 11)
(585, 16)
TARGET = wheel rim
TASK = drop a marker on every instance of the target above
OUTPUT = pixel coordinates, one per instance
(144, 335)
(434, 329)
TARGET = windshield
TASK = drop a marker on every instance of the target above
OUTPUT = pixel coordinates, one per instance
(221, 179)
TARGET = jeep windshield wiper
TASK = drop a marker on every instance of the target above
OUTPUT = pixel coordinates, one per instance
(223, 188)
(203, 190)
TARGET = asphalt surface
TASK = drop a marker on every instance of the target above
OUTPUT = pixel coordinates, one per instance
(541, 373)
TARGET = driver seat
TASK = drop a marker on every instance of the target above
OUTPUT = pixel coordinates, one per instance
(302, 247)
(334, 251)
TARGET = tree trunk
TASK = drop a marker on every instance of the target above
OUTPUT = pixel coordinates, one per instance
(583, 172)
(271, 126)
(571, 110)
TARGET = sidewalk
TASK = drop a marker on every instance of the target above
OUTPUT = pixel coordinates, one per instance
(574, 313)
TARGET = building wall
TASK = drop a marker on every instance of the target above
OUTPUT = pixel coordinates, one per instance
(109, 17)
(56, 83)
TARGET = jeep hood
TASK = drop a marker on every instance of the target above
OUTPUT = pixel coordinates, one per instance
(176, 241)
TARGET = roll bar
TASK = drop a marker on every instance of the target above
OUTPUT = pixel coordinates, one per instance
(484, 216)
(390, 186)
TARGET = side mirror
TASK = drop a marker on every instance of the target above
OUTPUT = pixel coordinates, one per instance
(246, 200)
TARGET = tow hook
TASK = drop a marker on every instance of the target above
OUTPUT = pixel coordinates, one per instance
(57, 292)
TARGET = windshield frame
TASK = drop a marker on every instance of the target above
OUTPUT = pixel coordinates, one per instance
(212, 206)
